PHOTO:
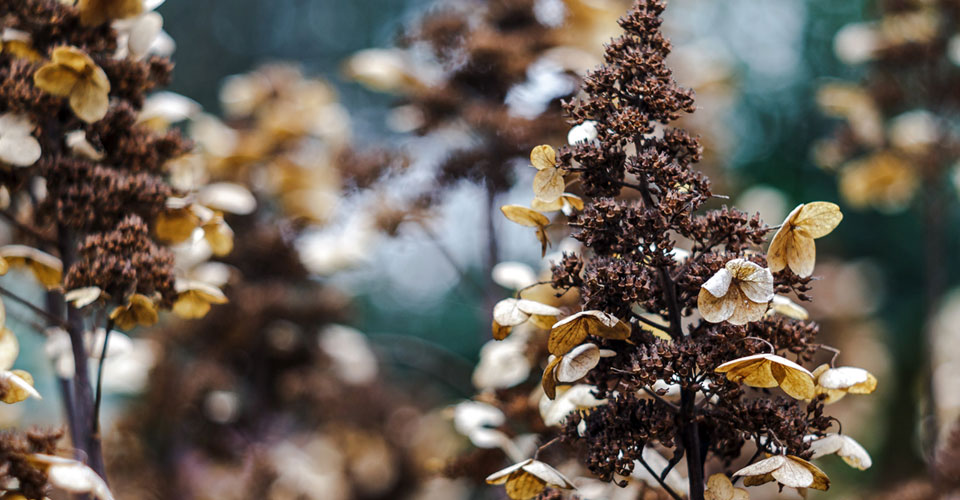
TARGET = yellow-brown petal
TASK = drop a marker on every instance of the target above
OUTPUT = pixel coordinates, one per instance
(523, 486)
(56, 79)
(548, 185)
(89, 101)
(801, 254)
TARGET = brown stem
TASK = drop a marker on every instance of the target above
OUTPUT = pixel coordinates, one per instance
(84, 438)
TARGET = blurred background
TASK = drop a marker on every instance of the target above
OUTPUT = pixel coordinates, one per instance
(774, 134)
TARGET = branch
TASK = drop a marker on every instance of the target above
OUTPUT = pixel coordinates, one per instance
(650, 322)
(99, 393)
(656, 476)
(40, 312)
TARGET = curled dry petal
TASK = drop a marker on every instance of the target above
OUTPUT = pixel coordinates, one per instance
(719, 487)
(45, 267)
(573, 330)
(194, 298)
(140, 310)
(793, 245)
(770, 370)
(738, 293)
(528, 479)
(787, 470)
(845, 447)
(836, 383)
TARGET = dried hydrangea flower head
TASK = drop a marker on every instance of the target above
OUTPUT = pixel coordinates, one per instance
(691, 329)
(90, 182)
(314, 391)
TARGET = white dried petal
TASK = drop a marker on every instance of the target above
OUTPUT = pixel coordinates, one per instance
(514, 275)
(507, 313)
(843, 377)
(575, 364)
(719, 283)
(584, 132)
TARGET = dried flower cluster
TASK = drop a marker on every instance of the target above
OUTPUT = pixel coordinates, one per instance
(675, 311)
(84, 169)
(268, 395)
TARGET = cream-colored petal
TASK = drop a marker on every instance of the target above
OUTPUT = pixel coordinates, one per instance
(762, 467)
(819, 218)
(19, 150)
(56, 79)
(718, 284)
(714, 309)
(548, 185)
(507, 313)
(757, 285)
(90, 102)
(146, 29)
(548, 474)
(793, 475)
(849, 378)
(786, 307)
(532, 307)
(746, 310)
(9, 349)
(543, 157)
(524, 216)
(798, 384)
(501, 475)
(575, 364)
(801, 254)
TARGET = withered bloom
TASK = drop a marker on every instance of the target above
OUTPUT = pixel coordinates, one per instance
(643, 199)
(90, 180)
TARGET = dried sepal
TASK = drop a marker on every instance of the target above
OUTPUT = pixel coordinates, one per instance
(770, 370)
(18, 147)
(9, 348)
(71, 73)
(18, 386)
(788, 470)
(512, 312)
(528, 479)
(82, 297)
(793, 244)
(836, 383)
(529, 218)
(194, 298)
(96, 12)
(72, 476)
(176, 224)
(785, 307)
(719, 487)
(574, 329)
(139, 310)
(218, 235)
(568, 399)
(566, 202)
(45, 267)
(738, 293)
(843, 446)
(548, 184)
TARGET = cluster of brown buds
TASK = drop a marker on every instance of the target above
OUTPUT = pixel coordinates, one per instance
(84, 168)
(681, 324)
(269, 395)
(487, 79)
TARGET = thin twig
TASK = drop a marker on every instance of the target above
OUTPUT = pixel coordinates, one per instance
(662, 482)
(659, 398)
(99, 393)
(32, 231)
(46, 315)
(677, 456)
(545, 446)
(650, 323)
(834, 350)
